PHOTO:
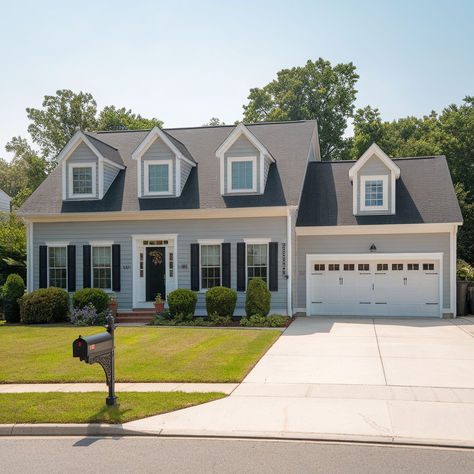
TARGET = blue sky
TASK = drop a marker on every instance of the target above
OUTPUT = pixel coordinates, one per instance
(187, 61)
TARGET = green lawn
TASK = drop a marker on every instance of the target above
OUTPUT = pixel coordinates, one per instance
(143, 354)
(90, 407)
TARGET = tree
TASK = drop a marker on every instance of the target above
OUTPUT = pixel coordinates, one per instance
(111, 118)
(314, 91)
(62, 115)
(213, 122)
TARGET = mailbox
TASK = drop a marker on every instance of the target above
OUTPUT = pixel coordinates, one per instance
(88, 348)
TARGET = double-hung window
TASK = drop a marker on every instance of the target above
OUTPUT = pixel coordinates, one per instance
(57, 267)
(374, 195)
(102, 267)
(158, 177)
(82, 180)
(257, 261)
(210, 265)
(242, 174)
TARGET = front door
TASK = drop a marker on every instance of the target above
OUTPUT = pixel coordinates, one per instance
(155, 272)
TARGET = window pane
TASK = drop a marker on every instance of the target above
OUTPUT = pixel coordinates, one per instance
(102, 267)
(82, 180)
(158, 178)
(374, 193)
(57, 263)
(257, 261)
(242, 175)
(210, 266)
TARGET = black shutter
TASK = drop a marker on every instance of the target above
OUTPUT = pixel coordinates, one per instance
(43, 266)
(273, 266)
(71, 268)
(195, 267)
(86, 266)
(226, 265)
(116, 267)
(240, 266)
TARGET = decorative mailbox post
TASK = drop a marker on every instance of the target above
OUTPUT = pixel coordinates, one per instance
(99, 349)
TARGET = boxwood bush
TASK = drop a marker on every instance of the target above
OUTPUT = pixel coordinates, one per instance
(220, 300)
(182, 302)
(46, 305)
(257, 298)
(95, 296)
(13, 289)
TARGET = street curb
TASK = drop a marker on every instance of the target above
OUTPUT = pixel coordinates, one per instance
(97, 429)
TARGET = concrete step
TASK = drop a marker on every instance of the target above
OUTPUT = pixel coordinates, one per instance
(136, 316)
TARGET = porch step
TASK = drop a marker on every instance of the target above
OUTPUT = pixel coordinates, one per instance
(136, 316)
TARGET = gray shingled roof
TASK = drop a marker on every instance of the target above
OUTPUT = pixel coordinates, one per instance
(106, 151)
(424, 194)
(288, 142)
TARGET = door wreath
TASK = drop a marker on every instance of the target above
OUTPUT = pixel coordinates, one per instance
(157, 256)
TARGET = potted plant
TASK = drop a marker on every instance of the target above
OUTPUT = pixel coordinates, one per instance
(113, 304)
(465, 277)
(159, 303)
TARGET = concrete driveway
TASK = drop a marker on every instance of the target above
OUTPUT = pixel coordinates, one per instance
(395, 352)
(385, 380)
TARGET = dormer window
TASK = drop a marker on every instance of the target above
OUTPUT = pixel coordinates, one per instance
(375, 191)
(242, 174)
(158, 177)
(82, 180)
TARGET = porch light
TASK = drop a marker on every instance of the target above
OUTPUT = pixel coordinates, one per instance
(373, 248)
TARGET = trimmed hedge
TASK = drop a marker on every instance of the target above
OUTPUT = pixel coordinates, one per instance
(46, 305)
(13, 289)
(182, 302)
(220, 300)
(257, 298)
(95, 296)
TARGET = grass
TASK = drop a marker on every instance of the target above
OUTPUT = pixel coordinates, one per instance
(91, 408)
(42, 354)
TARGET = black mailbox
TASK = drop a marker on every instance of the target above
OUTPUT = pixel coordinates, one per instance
(88, 348)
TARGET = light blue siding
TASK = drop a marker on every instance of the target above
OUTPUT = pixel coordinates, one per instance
(158, 151)
(110, 173)
(82, 154)
(185, 170)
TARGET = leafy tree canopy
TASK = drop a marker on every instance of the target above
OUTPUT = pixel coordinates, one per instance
(213, 122)
(314, 91)
(111, 118)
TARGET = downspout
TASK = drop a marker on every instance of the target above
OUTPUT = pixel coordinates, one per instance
(289, 267)
(452, 265)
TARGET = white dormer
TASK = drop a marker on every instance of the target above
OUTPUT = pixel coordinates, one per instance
(163, 165)
(373, 177)
(244, 163)
(89, 167)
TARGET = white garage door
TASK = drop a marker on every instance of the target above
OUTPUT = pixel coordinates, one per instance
(382, 287)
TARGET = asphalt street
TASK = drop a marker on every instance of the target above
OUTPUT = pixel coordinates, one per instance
(196, 455)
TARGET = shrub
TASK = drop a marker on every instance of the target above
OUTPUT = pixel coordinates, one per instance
(45, 305)
(221, 300)
(217, 320)
(254, 321)
(88, 316)
(464, 271)
(257, 298)
(182, 302)
(13, 289)
(277, 320)
(95, 296)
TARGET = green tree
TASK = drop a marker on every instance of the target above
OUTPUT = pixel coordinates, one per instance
(61, 116)
(111, 118)
(213, 122)
(314, 91)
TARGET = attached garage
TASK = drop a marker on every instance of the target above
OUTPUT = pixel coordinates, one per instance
(374, 284)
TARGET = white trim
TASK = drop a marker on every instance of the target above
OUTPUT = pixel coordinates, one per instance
(264, 240)
(232, 159)
(101, 243)
(101, 180)
(146, 165)
(375, 256)
(155, 133)
(374, 149)
(29, 256)
(376, 229)
(289, 269)
(53, 243)
(222, 174)
(154, 236)
(241, 129)
(167, 214)
(178, 178)
(363, 182)
(262, 173)
(56, 245)
(64, 180)
(452, 272)
(210, 241)
(83, 164)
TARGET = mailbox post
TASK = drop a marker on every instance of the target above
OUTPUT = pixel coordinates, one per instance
(100, 349)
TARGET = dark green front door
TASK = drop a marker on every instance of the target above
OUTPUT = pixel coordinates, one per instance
(155, 272)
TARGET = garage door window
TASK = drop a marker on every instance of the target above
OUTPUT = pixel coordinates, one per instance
(428, 266)
(349, 267)
(397, 266)
(363, 267)
(413, 266)
(382, 267)
(319, 267)
(333, 267)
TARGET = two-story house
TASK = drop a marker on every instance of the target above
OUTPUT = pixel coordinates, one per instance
(144, 212)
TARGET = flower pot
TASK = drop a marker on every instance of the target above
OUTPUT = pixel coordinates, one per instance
(113, 306)
(470, 293)
(159, 307)
(461, 295)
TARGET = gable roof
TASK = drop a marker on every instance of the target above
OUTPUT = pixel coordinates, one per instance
(106, 151)
(288, 143)
(374, 149)
(424, 194)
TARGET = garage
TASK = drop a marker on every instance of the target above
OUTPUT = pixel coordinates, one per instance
(375, 285)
